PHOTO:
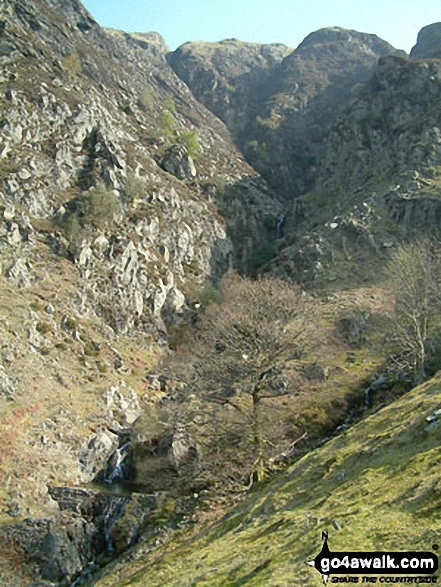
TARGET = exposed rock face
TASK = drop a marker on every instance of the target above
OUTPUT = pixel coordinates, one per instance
(92, 115)
(229, 77)
(380, 162)
(279, 103)
(428, 44)
(91, 525)
(177, 162)
(391, 132)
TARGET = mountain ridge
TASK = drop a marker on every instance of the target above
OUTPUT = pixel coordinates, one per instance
(294, 103)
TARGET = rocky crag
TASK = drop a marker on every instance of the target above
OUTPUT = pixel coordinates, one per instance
(279, 103)
(83, 107)
(378, 179)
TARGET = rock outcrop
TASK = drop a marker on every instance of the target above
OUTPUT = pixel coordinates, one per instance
(379, 169)
(93, 116)
(229, 77)
(428, 44)
(278, 103)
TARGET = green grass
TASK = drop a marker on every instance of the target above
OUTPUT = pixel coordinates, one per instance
(380, 480)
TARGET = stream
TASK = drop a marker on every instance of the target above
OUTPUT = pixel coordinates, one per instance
(102, 504)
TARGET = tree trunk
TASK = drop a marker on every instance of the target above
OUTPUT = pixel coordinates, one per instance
(420, 358)
(259, 472)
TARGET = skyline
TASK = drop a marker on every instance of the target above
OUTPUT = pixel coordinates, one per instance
(281, 21)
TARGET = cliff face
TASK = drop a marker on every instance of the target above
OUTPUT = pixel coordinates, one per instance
(279, 107)
(378, 177)
(229, 77)
(391, 129)
(83, 107)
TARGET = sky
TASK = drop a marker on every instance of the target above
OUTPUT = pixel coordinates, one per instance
(266, 21)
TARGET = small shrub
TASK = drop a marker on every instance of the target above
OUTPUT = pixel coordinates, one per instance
(91, 349)
(71, 323)
(207, 295)
(259, 149)
(72, 63)
(167, 125)
(146, 99)
(273, 122)
(102, 367)
(170, 103)
(270, 223)
(189, 140)
(357, 89)
(72, 227)
(262, 255)
(98, 206)
(43, 327)
(135, 187)
(95, 208)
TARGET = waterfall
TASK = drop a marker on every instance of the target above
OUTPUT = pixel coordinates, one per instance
(117, 472)
(280, 225)
(113, 513)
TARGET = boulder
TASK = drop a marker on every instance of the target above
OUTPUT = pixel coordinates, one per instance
(177, 162)
(19, 273)
(163, 455)
(123, 404)
(96, 453)
(7, 386)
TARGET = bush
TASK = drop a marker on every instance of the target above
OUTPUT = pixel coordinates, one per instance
(168, 125)
(259, 150)
(189, 140)
(135, 187)
(272, 123)
(357, 89)
(43, 327)
(72, 63)
(170, 103)
(72, 227)
(207, 295)
(146, 99)
(95, 207)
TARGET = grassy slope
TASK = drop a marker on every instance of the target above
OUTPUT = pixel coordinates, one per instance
(380, 480)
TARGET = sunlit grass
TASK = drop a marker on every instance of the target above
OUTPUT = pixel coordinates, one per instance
(379, 480)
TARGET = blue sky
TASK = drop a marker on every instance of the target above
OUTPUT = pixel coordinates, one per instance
(266, 21)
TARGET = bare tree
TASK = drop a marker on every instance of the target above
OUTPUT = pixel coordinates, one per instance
(244, 353)
(414, 275)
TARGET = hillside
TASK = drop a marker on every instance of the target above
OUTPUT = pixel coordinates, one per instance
(279, 104)
(375, 487)
(377, 181)
(109, 229)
